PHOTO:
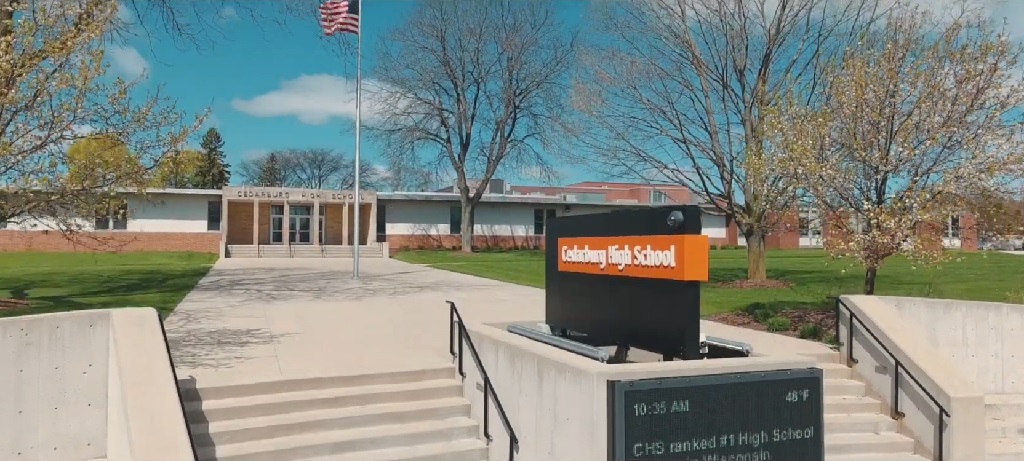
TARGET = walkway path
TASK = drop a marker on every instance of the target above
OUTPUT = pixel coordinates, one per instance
(267, 319)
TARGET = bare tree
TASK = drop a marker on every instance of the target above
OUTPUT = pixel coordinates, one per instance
(476, 87)
(675, 90)
(311, 168)
(919, 120)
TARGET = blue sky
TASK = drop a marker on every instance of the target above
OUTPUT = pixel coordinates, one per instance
(270, 88)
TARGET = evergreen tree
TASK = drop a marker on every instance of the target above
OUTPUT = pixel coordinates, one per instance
(271, 173)
(216, 171)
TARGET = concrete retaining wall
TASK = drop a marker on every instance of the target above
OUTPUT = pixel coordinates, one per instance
(88, 385)
(964, 431)
(557, 400)
(983, 341)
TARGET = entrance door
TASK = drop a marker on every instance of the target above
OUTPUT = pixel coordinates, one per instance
(300, 226)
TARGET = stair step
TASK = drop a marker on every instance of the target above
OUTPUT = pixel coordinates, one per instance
(190, 392)
(877, 457)
(350, 441)
(998, 428)
(884, 443)
(458, 450)
(835, 370)
(289, 424)
(320, 399)
(859, 423)
(844, 387)
(1004, 449)
(851, 405)
(1004, 406)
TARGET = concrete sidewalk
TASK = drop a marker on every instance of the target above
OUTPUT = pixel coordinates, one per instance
(268, 319)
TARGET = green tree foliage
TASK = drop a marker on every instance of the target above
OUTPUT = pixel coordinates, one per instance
(180, 170)
(215, 172)
(102, 161)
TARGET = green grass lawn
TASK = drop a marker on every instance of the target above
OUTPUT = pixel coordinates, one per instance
(815, 276)
(57, 282)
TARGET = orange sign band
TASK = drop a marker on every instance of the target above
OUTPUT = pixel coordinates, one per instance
(670, 257)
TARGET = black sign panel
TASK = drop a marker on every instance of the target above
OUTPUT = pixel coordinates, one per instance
(756, 416)
(658, 315)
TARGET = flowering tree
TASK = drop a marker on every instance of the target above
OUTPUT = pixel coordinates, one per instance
(677, 91)
(914, 121)
(54, 91)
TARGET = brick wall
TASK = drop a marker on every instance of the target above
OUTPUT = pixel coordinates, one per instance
(113, 241)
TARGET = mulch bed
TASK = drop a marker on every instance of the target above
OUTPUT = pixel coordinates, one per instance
(824, 318)
(10, 303)
(753, 284)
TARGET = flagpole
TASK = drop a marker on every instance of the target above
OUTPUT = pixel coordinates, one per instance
(359, 98)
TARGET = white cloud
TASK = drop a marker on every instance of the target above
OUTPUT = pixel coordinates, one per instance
(127, 61)
(125, 14)
(314, 100)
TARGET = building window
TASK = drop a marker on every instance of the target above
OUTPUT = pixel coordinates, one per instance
(382, 223)
(658, 196)
(276, 223)
(455, 220)
(540, 218)
(805, 226)
(116, 218)
(213, 210)
(953, 229)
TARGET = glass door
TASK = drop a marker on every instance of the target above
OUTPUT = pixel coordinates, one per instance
(300, 227)
(277, 224)
(320, 228)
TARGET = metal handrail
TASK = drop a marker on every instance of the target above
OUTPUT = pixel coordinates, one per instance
(895, 411)
(455, 319)
(181, 400)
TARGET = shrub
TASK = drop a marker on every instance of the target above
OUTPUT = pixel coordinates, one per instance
(810, 331)
(778, 324)
(764, 315)
(754, 307)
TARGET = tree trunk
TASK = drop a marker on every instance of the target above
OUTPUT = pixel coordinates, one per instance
(468, 211)
(869, 280)
(756, 258)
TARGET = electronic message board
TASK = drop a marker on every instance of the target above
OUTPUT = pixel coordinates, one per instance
(754, 416)
(628, 277)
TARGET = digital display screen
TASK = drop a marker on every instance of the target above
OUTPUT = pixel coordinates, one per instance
(755, 416)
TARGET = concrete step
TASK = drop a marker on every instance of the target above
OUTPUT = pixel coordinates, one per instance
(319, 399)
(289, 424)
(458, 450)
(1004, 449)
(859, 423)
(877, 457)
(191, 393)
(998, 428)
(852, 405)
(844, 387)
(322, 444)
(863, 444)
(835, 370)
(1004, 406)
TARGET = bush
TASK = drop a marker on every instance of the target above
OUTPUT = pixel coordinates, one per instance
(764, 315)
(752, 308)
(778, 324)
(810, 331)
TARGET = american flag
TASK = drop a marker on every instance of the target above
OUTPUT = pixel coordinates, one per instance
(340, 16)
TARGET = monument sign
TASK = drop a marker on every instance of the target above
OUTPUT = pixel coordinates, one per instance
(753, 416)
(628, 278)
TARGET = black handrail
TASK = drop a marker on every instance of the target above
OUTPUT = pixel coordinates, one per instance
(456, 319)
(895, 412)
(181, 400)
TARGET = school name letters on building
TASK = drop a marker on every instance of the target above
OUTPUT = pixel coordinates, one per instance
(675, 257)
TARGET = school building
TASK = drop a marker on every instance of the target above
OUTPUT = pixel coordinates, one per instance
(288, 222)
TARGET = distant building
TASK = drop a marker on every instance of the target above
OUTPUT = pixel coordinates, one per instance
(269, 221)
